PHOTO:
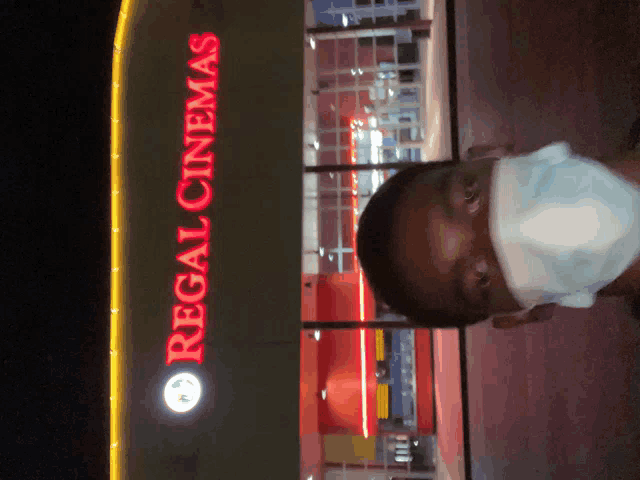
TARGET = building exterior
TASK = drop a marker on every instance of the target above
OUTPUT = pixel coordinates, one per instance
(206, 223)
(212, 282)
(365, 106)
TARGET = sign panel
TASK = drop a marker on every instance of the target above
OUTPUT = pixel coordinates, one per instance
(206, 219)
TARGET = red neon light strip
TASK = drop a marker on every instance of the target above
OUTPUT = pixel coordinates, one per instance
(354, 208)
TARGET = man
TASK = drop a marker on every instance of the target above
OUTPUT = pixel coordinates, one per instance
(513, 237)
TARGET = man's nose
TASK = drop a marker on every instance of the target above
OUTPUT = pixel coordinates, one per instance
(481, 271)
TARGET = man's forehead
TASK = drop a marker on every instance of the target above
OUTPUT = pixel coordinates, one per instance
(417, 245)
(427, 234)
(433, 181)
(418, 213)
(423, 198)
(426, 195)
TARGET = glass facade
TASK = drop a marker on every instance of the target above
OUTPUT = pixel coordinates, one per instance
(365, 113)
(368, 96)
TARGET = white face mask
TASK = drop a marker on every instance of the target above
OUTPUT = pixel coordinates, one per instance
(563, 226)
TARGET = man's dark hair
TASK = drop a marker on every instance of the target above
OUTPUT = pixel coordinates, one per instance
(377, 246)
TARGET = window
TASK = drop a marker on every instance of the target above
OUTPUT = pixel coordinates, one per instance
(368, 115)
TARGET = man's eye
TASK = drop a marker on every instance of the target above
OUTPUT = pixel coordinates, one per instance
(470, 194)
(472, 197)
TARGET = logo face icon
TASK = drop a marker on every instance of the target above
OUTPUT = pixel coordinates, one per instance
(182, 392)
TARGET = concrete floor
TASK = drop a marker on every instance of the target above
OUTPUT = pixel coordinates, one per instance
(557, 400)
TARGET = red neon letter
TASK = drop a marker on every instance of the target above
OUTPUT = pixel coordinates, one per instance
(194, 205)
(200, 122)
(194, 279)
(195, 152)
(195, 233)
(205, 98)
(183, 344)
(183, 316)
(206, 64)
(203, 172)
(207, 42)
(191, 258)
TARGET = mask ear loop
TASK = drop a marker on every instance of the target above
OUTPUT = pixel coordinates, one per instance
(539, 313)
(511, 320)
(480, 152)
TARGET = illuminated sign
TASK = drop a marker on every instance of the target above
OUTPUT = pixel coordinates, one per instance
(179, 390)
(182, 392)
(194, 194)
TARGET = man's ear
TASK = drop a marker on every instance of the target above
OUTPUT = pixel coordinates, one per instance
(539, 313)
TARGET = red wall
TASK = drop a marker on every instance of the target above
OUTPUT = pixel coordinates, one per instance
(334, 362)
(424, 381)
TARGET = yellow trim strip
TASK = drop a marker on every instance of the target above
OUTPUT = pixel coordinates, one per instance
(383, 400)
(386, 401)
(116, 342)
(379, 345)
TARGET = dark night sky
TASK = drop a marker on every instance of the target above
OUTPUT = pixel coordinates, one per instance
(55, 240)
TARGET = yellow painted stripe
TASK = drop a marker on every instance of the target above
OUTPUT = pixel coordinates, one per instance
(379, 345)
(385, 393)
(117, 341)
(386, 401)
(382, 395)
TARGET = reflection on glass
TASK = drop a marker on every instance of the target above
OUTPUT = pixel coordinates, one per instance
(365, 52)
(326, 81)
(367, 78)
(325, 54)
(368, 381)
(346, 80)
(328, 157)
(408, 53)
(328, 139)
(362, 384)
(385, 49)
(347, 103)
(345, 156)
(346, 53)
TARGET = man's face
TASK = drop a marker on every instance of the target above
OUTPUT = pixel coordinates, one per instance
(444, 245)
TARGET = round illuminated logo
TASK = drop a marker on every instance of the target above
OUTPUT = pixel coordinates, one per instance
(182, 392)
